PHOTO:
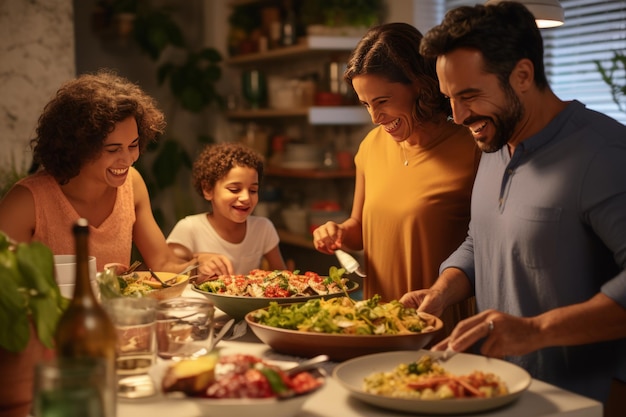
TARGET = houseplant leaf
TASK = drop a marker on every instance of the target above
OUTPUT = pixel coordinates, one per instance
(29, 293)
(36, 266)
(14, 333)
(167, 163)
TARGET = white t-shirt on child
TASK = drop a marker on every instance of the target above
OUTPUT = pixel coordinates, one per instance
(196, 233)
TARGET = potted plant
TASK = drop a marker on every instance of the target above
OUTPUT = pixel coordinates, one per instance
(30, 307)
(611, 76)
(341, 17)
(9, 175)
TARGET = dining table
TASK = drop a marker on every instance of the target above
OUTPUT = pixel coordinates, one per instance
(539, 400)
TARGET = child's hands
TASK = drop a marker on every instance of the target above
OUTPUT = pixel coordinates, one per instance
(212, 264)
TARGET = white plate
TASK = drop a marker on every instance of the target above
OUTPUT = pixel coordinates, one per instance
(237, 407)
(351, 374)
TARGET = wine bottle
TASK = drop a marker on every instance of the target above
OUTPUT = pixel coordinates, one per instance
(85, 329)
(289, 35)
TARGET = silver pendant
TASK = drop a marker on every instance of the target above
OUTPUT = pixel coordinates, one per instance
(406, 163)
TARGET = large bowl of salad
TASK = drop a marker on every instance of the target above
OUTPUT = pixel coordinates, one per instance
(237, 295)
(342, 328)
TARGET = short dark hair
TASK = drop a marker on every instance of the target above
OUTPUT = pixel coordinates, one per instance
(504, 34)
(75, 123)
(216, 160)
(392, 51)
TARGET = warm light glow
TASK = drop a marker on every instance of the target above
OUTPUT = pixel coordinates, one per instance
(548, 13)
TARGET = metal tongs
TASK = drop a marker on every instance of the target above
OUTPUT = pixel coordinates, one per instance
(348, 263)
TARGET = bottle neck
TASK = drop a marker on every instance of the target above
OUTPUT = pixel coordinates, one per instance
(83, 289)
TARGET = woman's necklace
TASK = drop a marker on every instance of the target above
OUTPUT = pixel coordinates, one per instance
(406, 160)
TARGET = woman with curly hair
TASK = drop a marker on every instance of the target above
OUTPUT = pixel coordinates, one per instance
(414, 170)
(87, 139)
(227, 239)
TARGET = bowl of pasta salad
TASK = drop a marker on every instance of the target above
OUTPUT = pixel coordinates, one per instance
(411, 381)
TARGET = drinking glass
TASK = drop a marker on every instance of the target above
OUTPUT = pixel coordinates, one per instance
(135, 324)
(184, 326)
(70, 388)
(254, 88)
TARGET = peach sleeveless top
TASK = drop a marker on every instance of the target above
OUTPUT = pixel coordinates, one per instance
(55, 216)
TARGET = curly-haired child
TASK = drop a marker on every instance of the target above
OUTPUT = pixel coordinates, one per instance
(227, 239)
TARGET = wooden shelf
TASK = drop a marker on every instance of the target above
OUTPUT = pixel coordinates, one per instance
(317, 115)
(318, 174)
(309, 45)
(267, 113)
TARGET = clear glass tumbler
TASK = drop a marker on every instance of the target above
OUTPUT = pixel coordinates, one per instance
(184, 326)
(70, 388)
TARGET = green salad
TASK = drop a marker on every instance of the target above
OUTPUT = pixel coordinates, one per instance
(343, 315)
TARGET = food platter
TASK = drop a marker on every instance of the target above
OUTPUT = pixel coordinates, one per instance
(338, 347)
(351, 375)
(238, 306)
(237, 407)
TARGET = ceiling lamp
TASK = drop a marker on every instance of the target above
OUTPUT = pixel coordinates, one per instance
(548, 13)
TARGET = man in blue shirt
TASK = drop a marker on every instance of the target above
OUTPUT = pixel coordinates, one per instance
(545, 253)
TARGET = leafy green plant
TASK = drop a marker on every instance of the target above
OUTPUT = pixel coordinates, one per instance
(154, 30)
(29, 293)
(193, 81)
(610, 75)
(9, 175)
(334, 13)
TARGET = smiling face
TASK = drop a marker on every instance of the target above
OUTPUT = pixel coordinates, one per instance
(120, 151)
(390, 104)
(235, 196)
(478, 99)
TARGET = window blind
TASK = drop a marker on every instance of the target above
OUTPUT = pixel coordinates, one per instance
(593, 30)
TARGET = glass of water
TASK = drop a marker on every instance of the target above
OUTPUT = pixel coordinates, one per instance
(73, 387)
(135, 324)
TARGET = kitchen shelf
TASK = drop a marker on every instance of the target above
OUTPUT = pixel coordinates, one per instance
(309, 173)
(317, 115)
(308, 46)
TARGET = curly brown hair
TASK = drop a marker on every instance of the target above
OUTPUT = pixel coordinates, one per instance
(391, 50)
(216, 160)
(74, 125)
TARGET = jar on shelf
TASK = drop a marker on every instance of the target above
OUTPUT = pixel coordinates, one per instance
(256, 138)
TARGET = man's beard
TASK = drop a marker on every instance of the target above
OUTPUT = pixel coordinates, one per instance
(504, 122)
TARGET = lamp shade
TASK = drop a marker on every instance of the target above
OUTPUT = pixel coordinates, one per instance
(548, 13)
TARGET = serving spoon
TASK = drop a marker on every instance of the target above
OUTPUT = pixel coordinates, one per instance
(155, 276)
(183, 272)
(307, 364)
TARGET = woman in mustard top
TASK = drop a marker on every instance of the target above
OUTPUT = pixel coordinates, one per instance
(414, 170)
